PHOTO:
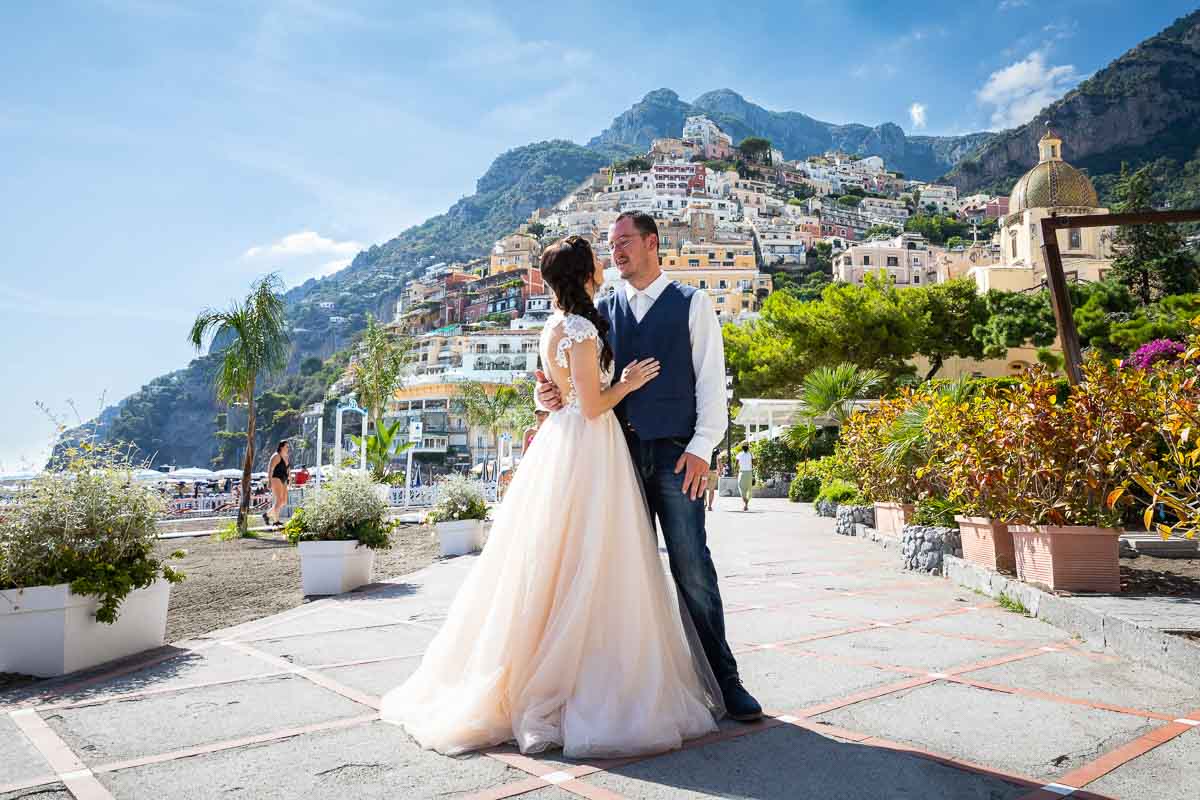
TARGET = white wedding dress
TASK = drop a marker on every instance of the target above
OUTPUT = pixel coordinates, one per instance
(567, 631)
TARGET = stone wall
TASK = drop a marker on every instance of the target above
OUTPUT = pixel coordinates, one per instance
(849, 516)
(825, 508)
(924, 545)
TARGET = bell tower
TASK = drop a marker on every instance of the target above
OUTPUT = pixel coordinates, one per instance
(1049, 146)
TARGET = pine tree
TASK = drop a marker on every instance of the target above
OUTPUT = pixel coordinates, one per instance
(1150, 259)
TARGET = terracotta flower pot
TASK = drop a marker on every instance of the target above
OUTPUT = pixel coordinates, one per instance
(1074, 558)
(890, 518)
(988, 543)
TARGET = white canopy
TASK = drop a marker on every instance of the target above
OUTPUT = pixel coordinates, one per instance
(149, 476)
(228, 473)
(191, 474)
(17, 477)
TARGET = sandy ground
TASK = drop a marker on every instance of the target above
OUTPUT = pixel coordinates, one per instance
(232, 582)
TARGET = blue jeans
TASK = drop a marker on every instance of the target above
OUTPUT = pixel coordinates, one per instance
(682, 521)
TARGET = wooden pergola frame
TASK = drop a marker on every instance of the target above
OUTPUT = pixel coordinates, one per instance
(1056, 279)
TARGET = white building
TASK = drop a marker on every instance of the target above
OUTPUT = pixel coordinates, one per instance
(884, 211)
(944, 199)
(704, 132)
(905, 259)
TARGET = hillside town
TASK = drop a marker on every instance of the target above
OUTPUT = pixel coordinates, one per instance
(733, 221)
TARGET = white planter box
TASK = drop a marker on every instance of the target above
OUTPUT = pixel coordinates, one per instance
(460, 537)
(334, 567)
(48, 631)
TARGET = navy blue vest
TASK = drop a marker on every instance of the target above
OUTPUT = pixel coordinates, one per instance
(665, 408)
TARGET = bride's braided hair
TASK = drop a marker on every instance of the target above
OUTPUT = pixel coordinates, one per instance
(568, 266)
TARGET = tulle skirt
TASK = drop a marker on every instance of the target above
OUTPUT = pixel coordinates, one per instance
(567, 631)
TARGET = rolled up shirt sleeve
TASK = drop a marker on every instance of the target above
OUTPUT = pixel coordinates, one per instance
(708, 362)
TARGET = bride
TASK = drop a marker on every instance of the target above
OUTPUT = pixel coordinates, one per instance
(567, 632)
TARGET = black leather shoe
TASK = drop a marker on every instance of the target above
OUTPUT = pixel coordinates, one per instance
(740, 704)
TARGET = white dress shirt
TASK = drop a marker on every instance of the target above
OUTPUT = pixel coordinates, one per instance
(708, 361)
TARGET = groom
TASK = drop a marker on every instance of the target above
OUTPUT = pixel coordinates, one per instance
(672, 424)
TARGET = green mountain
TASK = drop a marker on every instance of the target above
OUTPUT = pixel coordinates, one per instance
(661, 113)
(1143, 108)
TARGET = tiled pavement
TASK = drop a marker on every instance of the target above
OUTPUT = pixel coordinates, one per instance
(881, 684)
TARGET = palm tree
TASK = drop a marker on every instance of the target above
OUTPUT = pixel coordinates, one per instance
(382, 357)
(830, 392)
(253, 340)
(507, 408)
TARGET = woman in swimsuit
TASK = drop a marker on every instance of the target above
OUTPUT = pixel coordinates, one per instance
(278, 471)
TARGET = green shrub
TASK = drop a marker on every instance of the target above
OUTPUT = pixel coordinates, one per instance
(935, 511)
(840, 492)
(458, 499)
(804, 488)
(90, 526)
(345, 509)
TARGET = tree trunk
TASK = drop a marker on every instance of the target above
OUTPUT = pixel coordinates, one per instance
(935, 364)
(243, 521)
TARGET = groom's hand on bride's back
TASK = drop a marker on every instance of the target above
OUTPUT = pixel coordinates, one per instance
(548, 396)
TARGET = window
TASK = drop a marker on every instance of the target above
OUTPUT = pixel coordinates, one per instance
(893, 261)
(693, 262)
(703, 284)
(481, 348)
(723, 285)
(721, 299)
(1076, 239)
(1014, 247)
(866, 261)
(916, 277)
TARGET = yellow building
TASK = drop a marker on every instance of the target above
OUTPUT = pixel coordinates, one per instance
(518, 251)
(1051, 187)
(733, 291)
(712, 255)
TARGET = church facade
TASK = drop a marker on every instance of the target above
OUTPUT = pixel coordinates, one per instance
(1052, 187)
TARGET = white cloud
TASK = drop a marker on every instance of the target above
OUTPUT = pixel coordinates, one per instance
(303, 255)
(916, 113)
(304, 243)
(1009, 5)
(1019, 91)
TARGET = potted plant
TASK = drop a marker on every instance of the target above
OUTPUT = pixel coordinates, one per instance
(338, 532)
(1067, 462)
(458, 516)
(891, 486)
(963, 445)
(79, 582)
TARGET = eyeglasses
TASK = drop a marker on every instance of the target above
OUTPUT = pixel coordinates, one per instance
(625, 241)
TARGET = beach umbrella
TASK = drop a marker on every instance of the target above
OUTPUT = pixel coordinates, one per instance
(227, 473)
(149, 475)
(191, 474)
(17, 477)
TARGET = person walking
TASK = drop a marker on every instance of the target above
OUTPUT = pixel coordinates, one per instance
(714, 478)
(279, 471)
(745, 474)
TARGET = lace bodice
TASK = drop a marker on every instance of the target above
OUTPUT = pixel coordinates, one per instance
(575, 329)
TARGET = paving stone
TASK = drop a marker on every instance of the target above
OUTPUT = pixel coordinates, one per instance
(338, 646)
(50, 791)
(374, 760)
(162, 723)
(218, 663)
(1168, 772)
(1031, 737)
(785, 681)
(1116, 683)
(786, 763)
(19, 759)
(328, 618)
(995, 624)
(377, 678)
(894, 647)
(777, 625)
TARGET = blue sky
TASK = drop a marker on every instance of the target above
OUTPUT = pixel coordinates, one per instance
(157, 156)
